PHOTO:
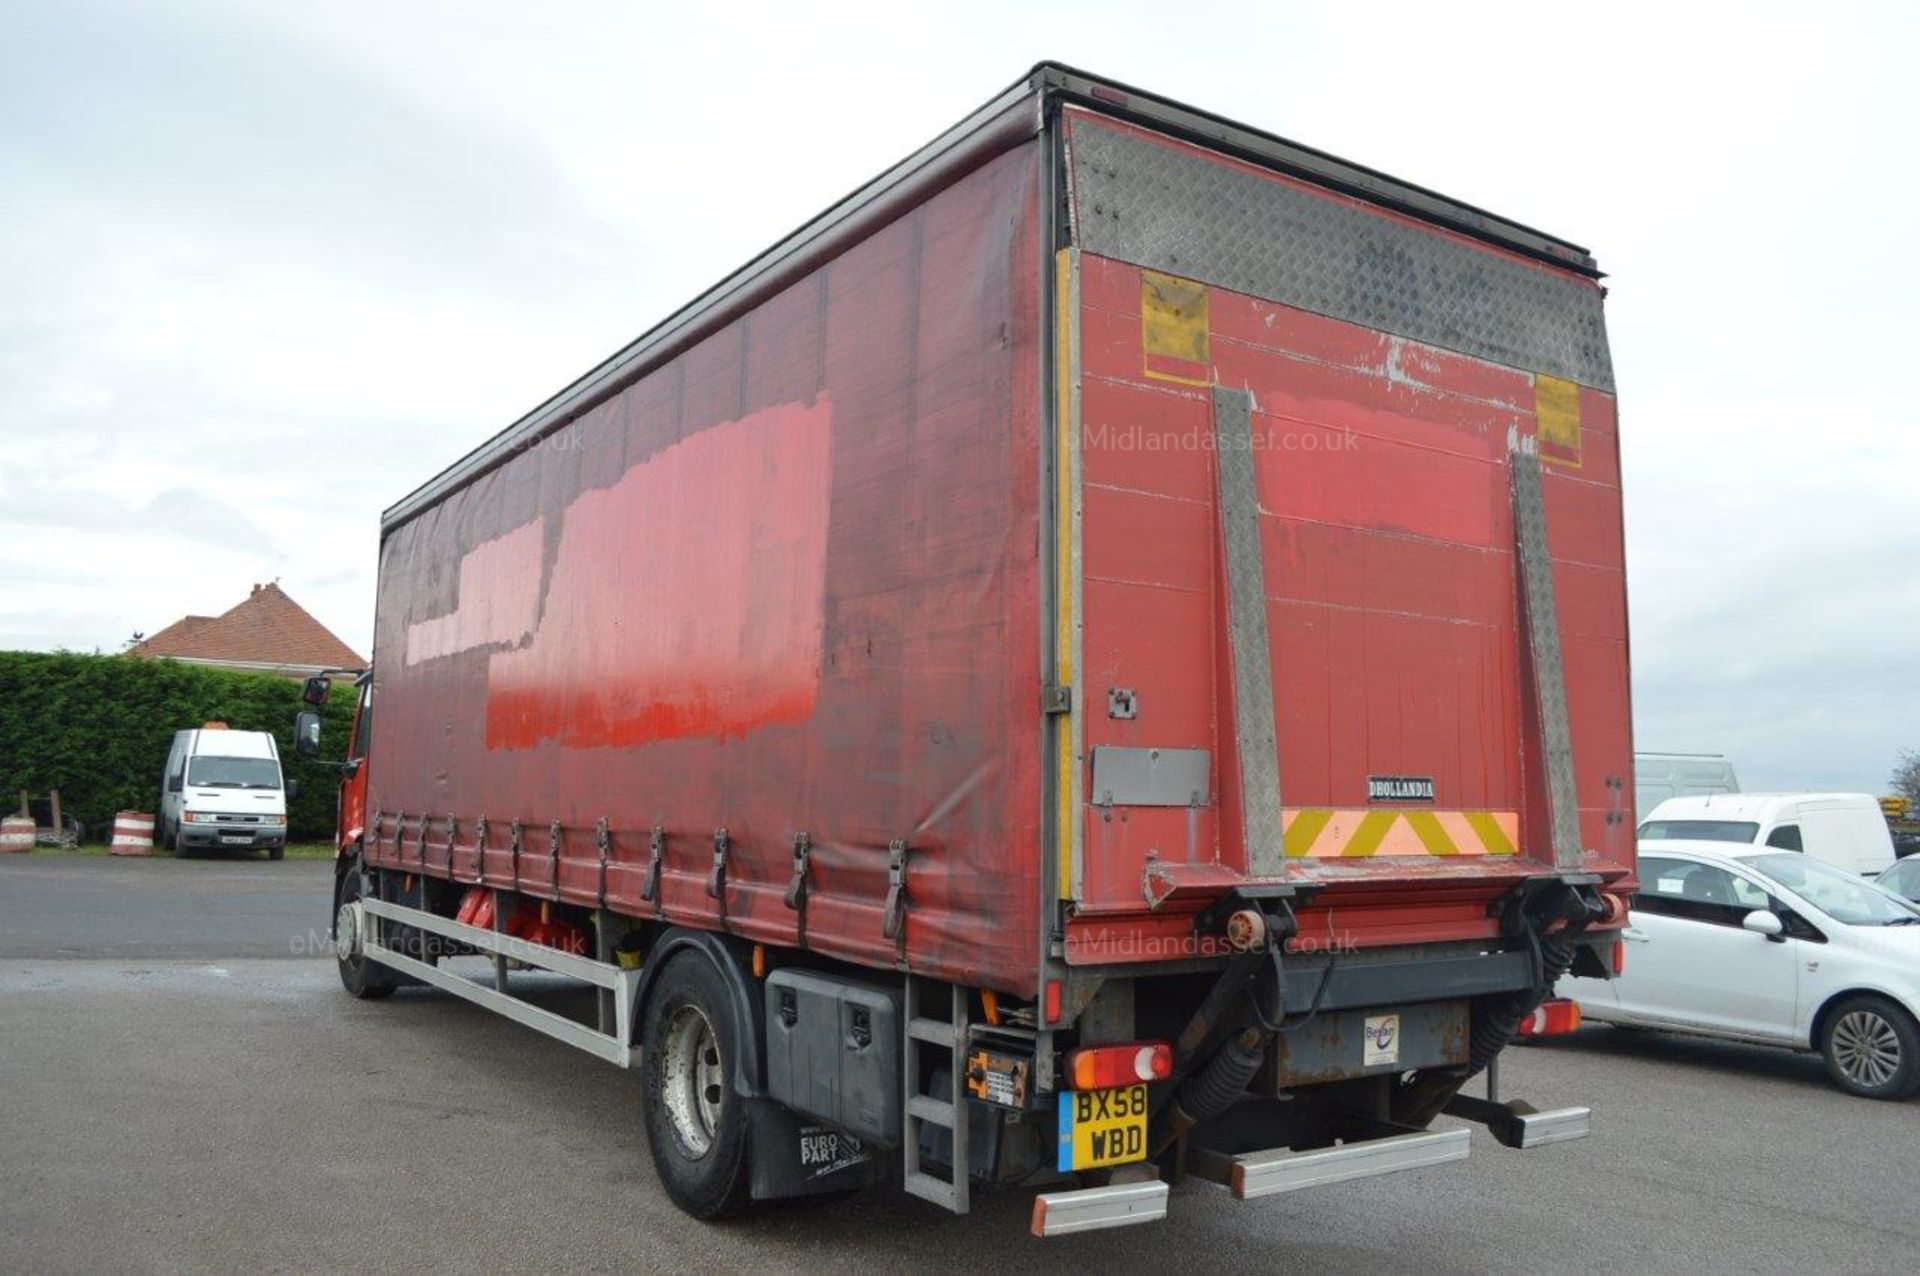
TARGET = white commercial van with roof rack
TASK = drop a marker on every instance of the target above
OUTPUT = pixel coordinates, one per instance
(1659, 776)
(224, 788)
(1847, 830)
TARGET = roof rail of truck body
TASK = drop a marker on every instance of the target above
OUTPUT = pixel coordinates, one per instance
(1009, 118)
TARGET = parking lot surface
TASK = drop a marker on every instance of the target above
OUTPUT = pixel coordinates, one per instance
(220, 905)
(181, 1104)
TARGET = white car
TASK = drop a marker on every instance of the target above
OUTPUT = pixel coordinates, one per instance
(1903, 879)
(1771, 946)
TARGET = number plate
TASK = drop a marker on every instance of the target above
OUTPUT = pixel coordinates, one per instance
(1102, 1127)
(244, 839)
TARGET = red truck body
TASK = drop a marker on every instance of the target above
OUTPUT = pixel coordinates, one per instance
(921, 548)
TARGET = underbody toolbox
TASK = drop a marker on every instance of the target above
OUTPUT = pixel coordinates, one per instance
(833, 1052)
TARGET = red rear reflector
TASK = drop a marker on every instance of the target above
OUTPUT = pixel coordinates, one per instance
(1050, 1008)
(1552, 1019)
(1104, 1067)
(1619, 958)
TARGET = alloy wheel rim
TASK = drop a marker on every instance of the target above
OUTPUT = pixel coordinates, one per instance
(1867, 1048)
(346, 933)
(693, 1083)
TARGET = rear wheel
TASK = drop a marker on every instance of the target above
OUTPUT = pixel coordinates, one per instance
(696, 1123)
(1872, 1048)
(365, 979)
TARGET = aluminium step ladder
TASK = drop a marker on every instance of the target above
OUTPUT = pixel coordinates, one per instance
(928, 1037)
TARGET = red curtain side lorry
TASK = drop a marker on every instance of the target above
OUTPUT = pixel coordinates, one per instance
(1101, 658)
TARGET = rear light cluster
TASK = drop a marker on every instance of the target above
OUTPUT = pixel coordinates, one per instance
(1551, 1019)
(1103, 1067)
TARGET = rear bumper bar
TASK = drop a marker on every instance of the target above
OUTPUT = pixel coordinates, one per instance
(1537, 1129)
(1093, 1208)
(1248, 1175)
(1256, 1174)
(1517, 1125)
(1251, 1175)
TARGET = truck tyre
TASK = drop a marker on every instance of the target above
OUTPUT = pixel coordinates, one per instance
(277, 852)
(696, 1123)
(179, 844)
(1872, 1048)
(367, 980)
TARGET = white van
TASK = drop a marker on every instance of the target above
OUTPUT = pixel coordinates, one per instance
(1846, 830)
(1659, 776)
(223, 788)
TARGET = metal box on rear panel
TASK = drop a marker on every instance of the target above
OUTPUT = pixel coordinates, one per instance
(833, 1052)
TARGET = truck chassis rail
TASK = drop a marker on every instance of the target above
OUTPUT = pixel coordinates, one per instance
(1247, 1175)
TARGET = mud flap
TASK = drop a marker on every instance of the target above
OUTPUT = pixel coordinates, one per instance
(794, 1155)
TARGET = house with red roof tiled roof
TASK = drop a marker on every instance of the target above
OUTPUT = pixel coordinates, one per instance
(267, 632)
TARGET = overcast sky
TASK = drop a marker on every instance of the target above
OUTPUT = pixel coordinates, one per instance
(265, 267)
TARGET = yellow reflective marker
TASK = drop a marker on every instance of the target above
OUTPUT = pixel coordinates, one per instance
(1067, 333)
(1556, 414)
(1173, 329)
(1366, 832)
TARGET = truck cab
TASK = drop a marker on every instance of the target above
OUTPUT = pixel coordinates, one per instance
(352, 813)
(353, 772)
(223, 788)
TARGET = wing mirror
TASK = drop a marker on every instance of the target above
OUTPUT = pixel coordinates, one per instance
(316, 689)
(306, 735)
(1762, 921)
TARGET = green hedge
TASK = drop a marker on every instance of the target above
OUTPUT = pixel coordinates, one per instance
(98, 729)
